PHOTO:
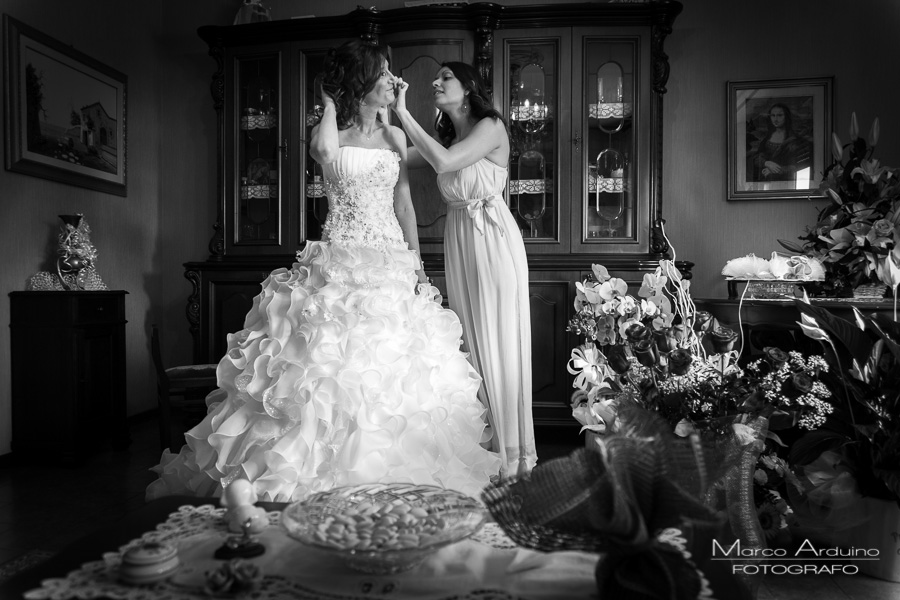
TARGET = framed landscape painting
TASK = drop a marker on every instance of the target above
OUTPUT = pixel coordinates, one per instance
(778, 138)
(65, 112)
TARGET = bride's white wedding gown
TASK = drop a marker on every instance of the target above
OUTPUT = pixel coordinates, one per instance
(343, 374)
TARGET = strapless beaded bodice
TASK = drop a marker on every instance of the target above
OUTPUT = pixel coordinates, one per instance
(360, 188)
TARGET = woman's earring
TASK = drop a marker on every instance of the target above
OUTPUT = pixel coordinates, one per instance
(465, 107)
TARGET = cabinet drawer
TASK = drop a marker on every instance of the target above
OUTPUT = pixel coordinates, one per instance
(97, 310)
(62, 309)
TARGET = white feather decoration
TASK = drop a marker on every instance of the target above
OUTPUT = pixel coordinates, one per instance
(747, 267)
(779, 266)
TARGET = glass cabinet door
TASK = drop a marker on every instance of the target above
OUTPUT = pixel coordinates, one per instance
(609, 214)
(531, 101)
(314, 201)
(258, 219)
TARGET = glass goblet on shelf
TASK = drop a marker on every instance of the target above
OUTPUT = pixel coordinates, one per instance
(532, 218)
(610, 210)
(609, 195)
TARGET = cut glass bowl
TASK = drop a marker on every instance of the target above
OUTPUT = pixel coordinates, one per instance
(383, 528)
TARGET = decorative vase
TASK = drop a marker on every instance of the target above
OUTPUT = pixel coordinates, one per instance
(252, 11)
(880, 530)
(75, 263)
(69, 264)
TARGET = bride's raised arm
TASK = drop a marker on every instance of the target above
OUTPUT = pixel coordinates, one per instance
(324, 142)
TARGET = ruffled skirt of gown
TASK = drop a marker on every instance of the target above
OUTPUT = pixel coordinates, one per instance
(341, 375)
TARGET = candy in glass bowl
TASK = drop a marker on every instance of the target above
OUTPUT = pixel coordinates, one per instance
(383, 528)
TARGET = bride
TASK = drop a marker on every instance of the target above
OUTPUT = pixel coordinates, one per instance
(347, 370)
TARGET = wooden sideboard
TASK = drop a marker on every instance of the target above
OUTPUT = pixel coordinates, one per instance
(775, 322)
(68, 373)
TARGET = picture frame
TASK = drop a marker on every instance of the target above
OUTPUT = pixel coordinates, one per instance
(65, 112)
(778, 136)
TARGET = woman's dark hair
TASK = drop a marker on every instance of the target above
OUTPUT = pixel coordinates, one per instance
(480, 102)
(350, 72)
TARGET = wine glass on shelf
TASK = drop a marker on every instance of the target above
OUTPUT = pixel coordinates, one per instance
(610, 209)
(532, 189)
(609, 196)
(258, 213)
(531, 218)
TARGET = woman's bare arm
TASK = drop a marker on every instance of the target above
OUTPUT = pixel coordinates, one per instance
(324, 139)
(403, 206)
(484, 138)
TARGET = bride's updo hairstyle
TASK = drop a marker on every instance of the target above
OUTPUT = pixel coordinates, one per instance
(350, 72)
(481, 104)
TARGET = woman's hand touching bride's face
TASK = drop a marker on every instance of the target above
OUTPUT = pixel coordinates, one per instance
(400, 88)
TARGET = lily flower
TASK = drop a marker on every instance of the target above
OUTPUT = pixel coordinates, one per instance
(837, 149)
(834, 195)
(873, 133)
(870, 170)
(811, 328)
(588, 365)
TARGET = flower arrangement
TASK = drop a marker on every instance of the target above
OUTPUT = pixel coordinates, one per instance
(620, 329)
(856, 234)
(784, 386)
(681, 362)
(860, 440)
(655, 350)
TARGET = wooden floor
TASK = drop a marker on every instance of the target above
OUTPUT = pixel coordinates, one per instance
(45, 507)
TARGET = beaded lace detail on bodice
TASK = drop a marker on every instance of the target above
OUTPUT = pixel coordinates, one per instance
(360, 188)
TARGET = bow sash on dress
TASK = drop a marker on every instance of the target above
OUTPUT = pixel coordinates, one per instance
(483, 210)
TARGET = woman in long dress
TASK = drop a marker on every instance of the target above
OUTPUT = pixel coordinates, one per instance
(346, 370)
(486, 265)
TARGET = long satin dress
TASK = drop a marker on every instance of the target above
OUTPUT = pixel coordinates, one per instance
(343, 374)
(487, 286)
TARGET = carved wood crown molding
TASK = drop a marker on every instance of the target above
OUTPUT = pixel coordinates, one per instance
(483, 17)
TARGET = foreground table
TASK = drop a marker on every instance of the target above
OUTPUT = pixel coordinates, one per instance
(93, 546)
(487, 566)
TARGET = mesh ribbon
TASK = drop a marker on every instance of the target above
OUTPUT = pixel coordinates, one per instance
(619, 499)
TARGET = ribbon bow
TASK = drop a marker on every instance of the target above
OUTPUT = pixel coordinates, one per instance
(639, 501)
(485, 209)
(799, 267)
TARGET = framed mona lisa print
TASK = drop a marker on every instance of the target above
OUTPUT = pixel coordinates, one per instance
(778, 138)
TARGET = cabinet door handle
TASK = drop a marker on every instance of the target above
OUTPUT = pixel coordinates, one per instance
(284, 147)
(577, 141)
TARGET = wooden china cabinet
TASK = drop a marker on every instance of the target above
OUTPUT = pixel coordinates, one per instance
(581, 86)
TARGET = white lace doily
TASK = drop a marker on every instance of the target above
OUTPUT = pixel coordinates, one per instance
(206, 524)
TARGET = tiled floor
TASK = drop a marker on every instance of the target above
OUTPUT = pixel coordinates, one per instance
(47, 507)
